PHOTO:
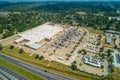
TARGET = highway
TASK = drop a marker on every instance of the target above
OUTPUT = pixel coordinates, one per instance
(34, 69)
(9, 75)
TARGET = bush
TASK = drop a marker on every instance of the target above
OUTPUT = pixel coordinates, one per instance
(73, 67)
(84, 52)
(115, 47)
(79, 51)
(37, 56)
(1, 47)
(74, 62)
(21, 50)
(103, 55)
(41, 58)
(101, 49)
(80, 64)
(11, 47)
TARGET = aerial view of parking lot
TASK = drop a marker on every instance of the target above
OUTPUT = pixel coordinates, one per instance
(60, 40)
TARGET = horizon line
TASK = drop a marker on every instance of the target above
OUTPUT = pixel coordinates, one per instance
(61, 1)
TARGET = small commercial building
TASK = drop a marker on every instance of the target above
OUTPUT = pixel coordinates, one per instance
(91, 60)
(116, 58)
(112, 32)
(109, 40)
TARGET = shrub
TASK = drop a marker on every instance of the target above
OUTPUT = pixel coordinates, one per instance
(21, 50)
(11, 47)
(37, 56)
(73, 67)
(115, 47)
(101, 49)
(79, 51)
(1, 47)
(41, 58)
(74, 62)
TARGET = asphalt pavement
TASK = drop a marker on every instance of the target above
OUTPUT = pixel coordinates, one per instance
(34, 69)
(9, 75)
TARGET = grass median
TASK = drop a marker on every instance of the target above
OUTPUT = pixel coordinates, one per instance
(26, 74)
(54, 66)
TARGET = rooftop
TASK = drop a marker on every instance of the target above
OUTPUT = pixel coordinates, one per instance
(91, 60)
(109, 40)
(116, 57)
(113, 32)
(39, 33)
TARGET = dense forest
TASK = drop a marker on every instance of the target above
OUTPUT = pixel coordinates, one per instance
(18, 17)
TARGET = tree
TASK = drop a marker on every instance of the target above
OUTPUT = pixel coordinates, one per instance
(112, 69)
(21, 50)
(11, 47)
(8, 34)
(98, 43)
(101, 49)
(54, 51)
(115, 47)
(73, 67)
(74, 62)
(1, 47)
(84, 52)
(108, 77)
(103, 55)
(79, 51)
(111, 59)
(1, 30)
(37, 56)
(109, 52)
(41, 58)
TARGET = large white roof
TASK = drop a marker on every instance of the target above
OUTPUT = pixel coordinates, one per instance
(40, 32)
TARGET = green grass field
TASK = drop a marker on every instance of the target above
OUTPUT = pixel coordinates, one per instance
(116, 74)
(54, 66)
(95, 31)
(1, 78)
(26, 74)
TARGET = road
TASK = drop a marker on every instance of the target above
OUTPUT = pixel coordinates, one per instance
(34, 69)
(9, 75)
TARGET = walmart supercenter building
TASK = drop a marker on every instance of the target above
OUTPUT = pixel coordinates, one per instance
(34, 36)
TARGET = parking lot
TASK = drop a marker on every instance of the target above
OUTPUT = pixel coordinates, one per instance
(90, 43)
(62, 49)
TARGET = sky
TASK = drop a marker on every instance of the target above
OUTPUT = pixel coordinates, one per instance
(58, 0)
